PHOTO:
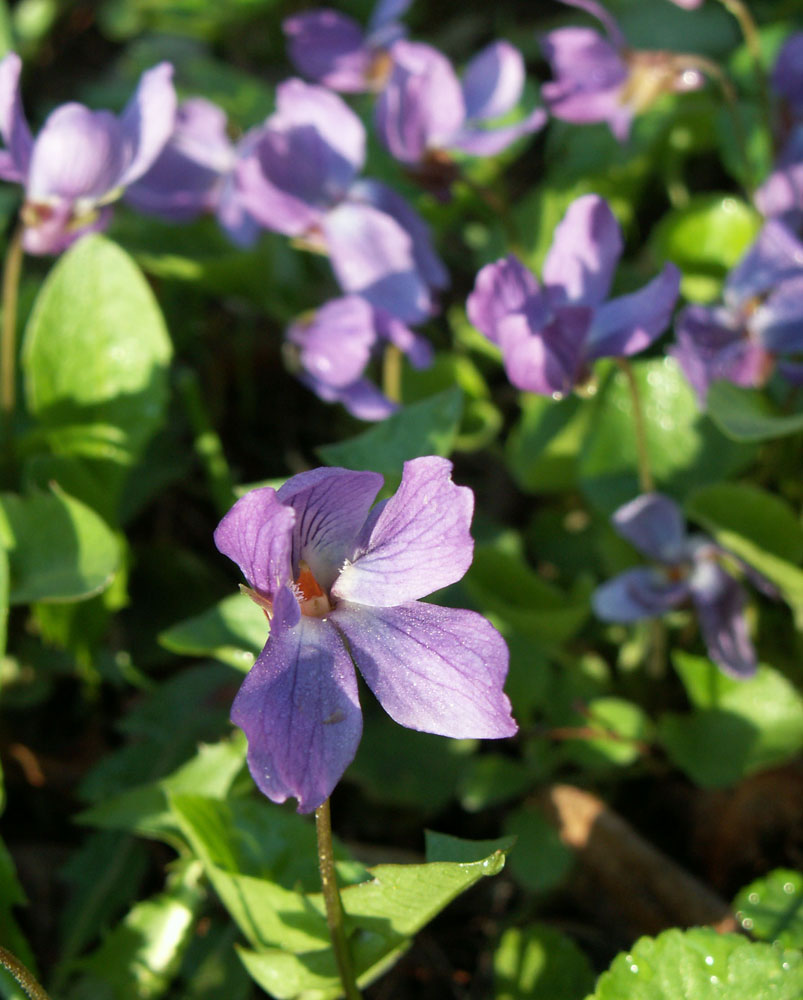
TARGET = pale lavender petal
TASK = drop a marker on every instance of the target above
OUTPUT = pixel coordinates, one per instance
(13, 123)
(585, 250)
(272, 207)
(419, 543)
(78, 154)
(329, 48)
(604, 16)
(257, 534)
(776, 255)
(439, 670)
(429, 264)
(547, 359)
(300, 711)
(782, 191)
(489, 142)
(654, 524)
(500, 289)
(637, 594)
(630, 323)
(493, 81)
(335, 344)
(239, 225)
(787, 74)
(361, 398)
(373, 256)
(148, 121)
(778, 321)
(421, 106)
(417, 348)
(331, 506)
(719, 600)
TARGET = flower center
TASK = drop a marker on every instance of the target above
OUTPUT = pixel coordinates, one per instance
(313, 601)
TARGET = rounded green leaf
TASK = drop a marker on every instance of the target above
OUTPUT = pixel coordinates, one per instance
(747, 414)
(703, 965)
(540, 963)
(95, 354)
(771, 908)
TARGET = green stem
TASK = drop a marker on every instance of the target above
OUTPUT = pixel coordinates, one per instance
(392, 373)
(741, 12)
(206, 442)
(331, 896)
(23, 976)
(645, 479)
(8, 332)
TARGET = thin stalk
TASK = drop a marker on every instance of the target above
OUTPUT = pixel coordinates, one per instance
(23, 975)
(334, 908)
(392, 373)
(741, 12)
(8, 330)
(646, 483)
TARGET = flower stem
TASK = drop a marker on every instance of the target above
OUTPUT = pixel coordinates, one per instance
(331, 896)
(392, 373)
(741, 12)
(23, 976)
(646, 483)
(8, 332)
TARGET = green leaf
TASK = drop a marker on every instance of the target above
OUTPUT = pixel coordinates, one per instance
(382, 914)
(95, 357)
(539, 963)
(233, 631)
(11, 895)
(739, 727)
(4, 601)
(58, 548)
(761, 518)
(702, 964)
(771, 908)
(425, 428)
(747, 414)
(705, 238)
(490, 779)
(541, 860)
(622, 726)
(543, 446)
(685, 450)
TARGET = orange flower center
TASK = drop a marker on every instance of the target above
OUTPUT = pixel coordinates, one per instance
(313, 601)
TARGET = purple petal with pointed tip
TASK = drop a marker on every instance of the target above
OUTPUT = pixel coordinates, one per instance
(257, 534)
(361, 398)
(13, 123)
(719, 600)
(331, 506)
(489, 142)
(604, 16)
(493, 81)
(439, 670)
(546, 359)
(272, 207)
(585, 250)
(630, 323)
(418, 349)
(637, 594)
(300, 711)
(147, 121)
(419, 543)
(654, 524)
(776, 255)
(501, 289)
(329, 48)
(336, 343)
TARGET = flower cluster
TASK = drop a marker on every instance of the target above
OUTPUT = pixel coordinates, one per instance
(341, 583)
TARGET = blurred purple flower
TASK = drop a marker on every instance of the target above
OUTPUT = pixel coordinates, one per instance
(600, 79)
(299, 177)
(341, 582)
(781, 194)
(787, 74)
(82, 160)
(332, 49)
(761, 318)
(424, 110)
(550, 334)
(333, 346)
(689, 568)
(194, 173)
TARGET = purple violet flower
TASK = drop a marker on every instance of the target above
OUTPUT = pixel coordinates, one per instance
(761, 319)
(600, 79)
(550, 334)
(82, 160)
(299, 178)
(688, 568)
(424, 110)
(332, 49)
(787, 73)
(340, 582)
(334, 345)
(194, 174)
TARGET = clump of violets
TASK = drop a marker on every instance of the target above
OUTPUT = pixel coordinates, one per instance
(333, 346)
(300, 177)
(602, 79)
(424, 111)
(194, 174)
(550, 333)
(341, 582)
(688, 568)
(81, 161)
(758, 325)
(331, 48)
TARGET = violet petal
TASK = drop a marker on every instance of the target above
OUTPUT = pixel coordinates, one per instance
(655, 525)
